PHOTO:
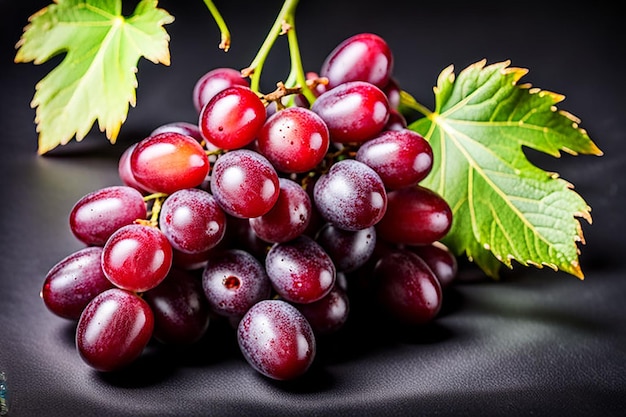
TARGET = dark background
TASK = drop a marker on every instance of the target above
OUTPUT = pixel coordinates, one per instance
(536, 342)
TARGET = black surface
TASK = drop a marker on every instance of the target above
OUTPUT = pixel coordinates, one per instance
(535, 343)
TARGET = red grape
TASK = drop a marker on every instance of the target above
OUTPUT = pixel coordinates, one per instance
(169, 162)
(232, 118)
(362, 57)
(114, 329)
(276, 340)
(137, 257)
(415, 216)
(294, 140)
(95, 217)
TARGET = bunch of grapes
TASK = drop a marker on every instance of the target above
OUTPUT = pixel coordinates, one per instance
(262, 214)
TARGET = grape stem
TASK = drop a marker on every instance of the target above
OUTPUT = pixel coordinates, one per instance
(157, 200)
(284, 24)
(221, 24)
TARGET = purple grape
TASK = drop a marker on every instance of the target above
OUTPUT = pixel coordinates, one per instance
(114, 329)
(181, 312)
(95, 217)
(300, 270)
(440, 260)
(233, 281)
(73, 282)
(348, 250)
(400, 157)
(192, 220)
(276, 340)
(329, 314)
(415, 216)
(407, 288)
(350, 195)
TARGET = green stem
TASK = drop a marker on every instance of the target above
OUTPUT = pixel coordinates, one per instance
(256, 67)
(297, 70)
(221, 24)
(409, 101)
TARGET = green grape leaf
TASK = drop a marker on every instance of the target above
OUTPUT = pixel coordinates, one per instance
(504, 207)
(96, 80)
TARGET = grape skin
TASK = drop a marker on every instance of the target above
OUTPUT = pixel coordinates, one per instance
(415, 216)
(354, 112)
(169, 162)
(137, 257)
(181, 312)
(362, 57)
(244, 183)
(407, 288)
(73, 282)
(276, 340)
(233, 281)
(294, 140)
(192, 221)
(300, 270)
(400, 157)
(114, 329)
(97, 215)
(350, 195)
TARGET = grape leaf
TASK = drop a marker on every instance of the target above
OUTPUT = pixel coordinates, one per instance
(504, 207)
(96, 80)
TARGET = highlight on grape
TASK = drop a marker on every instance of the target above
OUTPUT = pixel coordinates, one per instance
(266, 214)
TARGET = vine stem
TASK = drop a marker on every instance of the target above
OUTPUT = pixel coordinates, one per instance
(221, 24)
(255, 69)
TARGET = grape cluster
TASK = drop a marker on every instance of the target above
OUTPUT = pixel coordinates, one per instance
(261, 214)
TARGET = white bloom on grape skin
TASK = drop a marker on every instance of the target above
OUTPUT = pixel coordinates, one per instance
(182, 217)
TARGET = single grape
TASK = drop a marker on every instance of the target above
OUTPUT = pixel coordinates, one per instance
(407, 288)
(362, 57)
(114, 329)
(232, 118)
(294, 140)
(329, 314)
(350, 195)
(244, 183)
(400, 157)
(348, 250)
(192, 220)
(137, 257)
(415, 216)
(73, 282)
(300, 270)
(288, 218)
(233, 281)
(95, 217)
(276, 340)
(213, 82)
(440, 260)
(354, 111)
(184, 128)
(169, 162)
(181, 312)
